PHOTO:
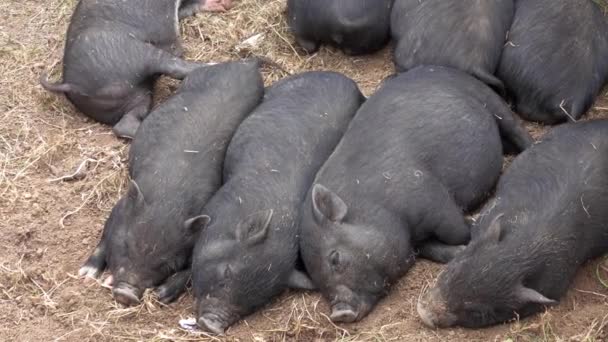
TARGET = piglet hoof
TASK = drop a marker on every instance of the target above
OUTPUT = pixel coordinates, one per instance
(126, 127)
(95, 264)
(173, 287)
(89, 272)
(309, 46)
(167, 294)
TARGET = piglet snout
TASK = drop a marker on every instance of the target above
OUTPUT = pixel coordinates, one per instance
(347, 306)
(212, 324)
(342, 312)
(126, 294)
(432, 310)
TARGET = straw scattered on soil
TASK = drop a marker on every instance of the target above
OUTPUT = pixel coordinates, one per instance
(60, 174)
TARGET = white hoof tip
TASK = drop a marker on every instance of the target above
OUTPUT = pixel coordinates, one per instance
(89, 272)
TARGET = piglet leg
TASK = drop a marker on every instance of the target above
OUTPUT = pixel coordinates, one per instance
(96, 263)
(513, 132)
(308, 45)
(447, 229)
(447, 224)
(174, 287)
(176, 67)
(128, 125)
(439, 252)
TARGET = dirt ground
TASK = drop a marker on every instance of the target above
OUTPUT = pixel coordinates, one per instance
(48, 226)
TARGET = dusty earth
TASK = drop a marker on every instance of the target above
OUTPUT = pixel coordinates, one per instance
(48, 224)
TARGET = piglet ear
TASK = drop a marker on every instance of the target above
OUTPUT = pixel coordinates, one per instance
(135, 194)
(494, 232)
(254, 228)
(197, 223)
(528, 295)
(327, 205)
(300, 280)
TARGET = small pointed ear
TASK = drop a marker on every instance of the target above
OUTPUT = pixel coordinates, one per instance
(327, 205)
(254, 228)
(197, 223)
(134, 193)
(300, 280)
(494, 232)
(528, 295)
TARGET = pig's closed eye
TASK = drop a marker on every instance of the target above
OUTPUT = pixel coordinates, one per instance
(334, 259)
(224, 276)
(227, 272)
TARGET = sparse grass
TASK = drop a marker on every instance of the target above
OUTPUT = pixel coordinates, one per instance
(546, 329)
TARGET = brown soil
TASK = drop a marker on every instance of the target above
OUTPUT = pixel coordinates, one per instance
(48, 227)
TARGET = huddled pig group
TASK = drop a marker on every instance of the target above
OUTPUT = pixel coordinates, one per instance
(244, 191)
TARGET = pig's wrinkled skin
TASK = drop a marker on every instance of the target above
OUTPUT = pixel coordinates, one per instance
(175, 166)
(114, 52)
(555, 62)
(247, 254)
(355, 26)
(547, 218)
(464, 34)
(421, 150)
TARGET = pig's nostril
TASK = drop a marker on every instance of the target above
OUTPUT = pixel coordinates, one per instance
(211, 323)
(343, 313)
(126, 294)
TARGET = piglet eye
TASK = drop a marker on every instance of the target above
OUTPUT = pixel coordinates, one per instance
(334, 258)
(227, 273)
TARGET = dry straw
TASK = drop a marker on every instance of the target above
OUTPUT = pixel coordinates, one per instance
(60, 174)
